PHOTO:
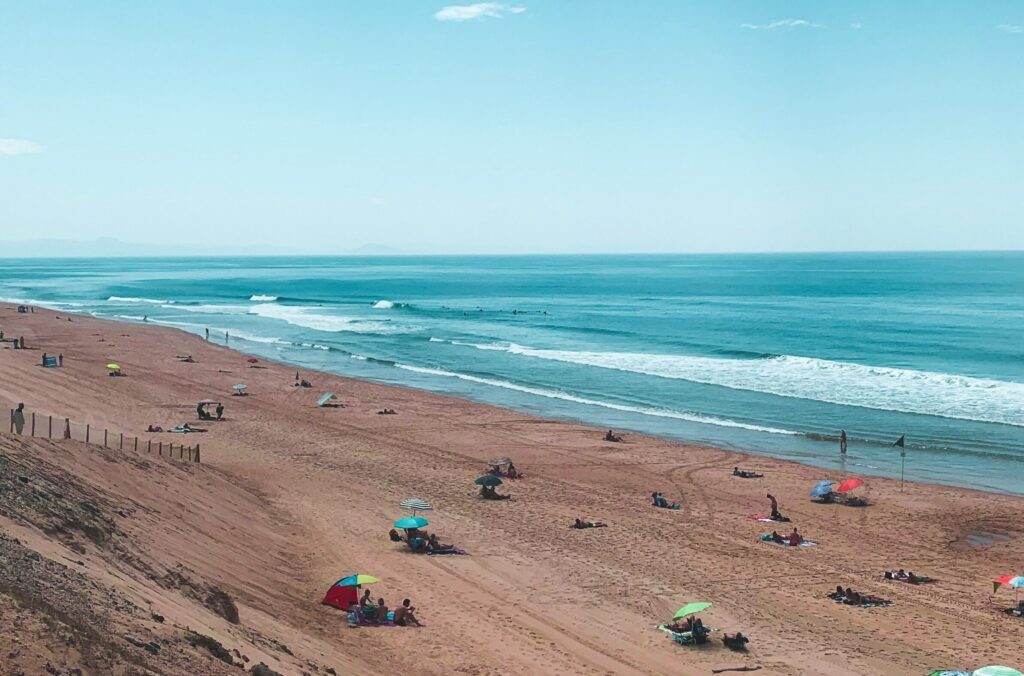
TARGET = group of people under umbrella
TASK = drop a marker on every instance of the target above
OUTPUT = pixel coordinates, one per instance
(686, 628)
(362, 610)
(415, 537)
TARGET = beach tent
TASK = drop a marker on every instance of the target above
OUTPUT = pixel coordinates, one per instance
(326, 399)
(343, 594)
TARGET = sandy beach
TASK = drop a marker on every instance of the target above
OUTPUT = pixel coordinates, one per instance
(533, 596)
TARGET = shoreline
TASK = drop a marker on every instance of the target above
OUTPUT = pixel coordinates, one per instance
(341, 473)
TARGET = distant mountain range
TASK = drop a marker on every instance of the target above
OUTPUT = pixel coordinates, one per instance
(110, 247)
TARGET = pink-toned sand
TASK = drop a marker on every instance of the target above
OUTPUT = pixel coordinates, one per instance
(534, 596)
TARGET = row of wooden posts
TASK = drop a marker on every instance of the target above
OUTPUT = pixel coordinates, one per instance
(190, 453)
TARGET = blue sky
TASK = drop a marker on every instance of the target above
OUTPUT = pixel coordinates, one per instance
(534, 126)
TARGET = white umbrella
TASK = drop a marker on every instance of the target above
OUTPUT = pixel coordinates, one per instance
(416, 505)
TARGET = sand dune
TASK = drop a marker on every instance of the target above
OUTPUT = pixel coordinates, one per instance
(290, 497)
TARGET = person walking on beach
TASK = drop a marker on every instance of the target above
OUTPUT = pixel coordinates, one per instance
(207, 335)
(842, 442)
(60, 359)
(18, 418)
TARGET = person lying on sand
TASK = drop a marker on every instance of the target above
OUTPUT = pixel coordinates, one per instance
(404, 616)
(185, 428)
(777, 539)
(1017, 610)
(580, 524)
(154, 428)
(387, 411)
(902, 576)
(854, 598)
(746, 474)
(434, 546)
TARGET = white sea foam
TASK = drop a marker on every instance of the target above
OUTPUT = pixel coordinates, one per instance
(210, 309)
(845, 383)
(129, 299)
(261, 298)
(564, 396)
(437, 340)
(307, 318)
(383, 305)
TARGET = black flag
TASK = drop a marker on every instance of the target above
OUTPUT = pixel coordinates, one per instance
(899, 442)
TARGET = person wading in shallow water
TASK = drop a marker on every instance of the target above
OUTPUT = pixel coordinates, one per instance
(842, 442)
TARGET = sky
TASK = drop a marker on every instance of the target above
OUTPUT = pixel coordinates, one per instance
(539, 126)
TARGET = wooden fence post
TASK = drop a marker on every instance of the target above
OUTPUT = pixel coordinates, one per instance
(197, 452)
(122, 441)
(67, 428)
(136, 444)
(12, 421)
(161, 449)
(87, 433)
(33, 424)
(104, 437)
(149, 446)
(49, 432)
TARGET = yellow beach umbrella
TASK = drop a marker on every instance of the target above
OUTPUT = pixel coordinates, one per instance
(113, 367)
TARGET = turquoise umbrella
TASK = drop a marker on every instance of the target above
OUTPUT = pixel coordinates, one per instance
(996, 670)
(488, 480)
(408, 522)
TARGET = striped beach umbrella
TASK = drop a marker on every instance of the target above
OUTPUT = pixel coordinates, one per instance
(997, 670)
(416, 505)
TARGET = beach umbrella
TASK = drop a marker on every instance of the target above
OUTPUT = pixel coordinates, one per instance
(1015, 581)
(996, 670)
(416, 505)
(239, 387)
(408, 522)
(113, 367)
(357, 579)
(849, 485)
(691, 609)
(488, 480)
(324, 399)
(498, 462)
(207, 402)
(252, 360)
(821, 488)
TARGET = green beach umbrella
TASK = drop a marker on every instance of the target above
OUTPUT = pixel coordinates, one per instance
(488, 480)
(113, 367)
(691, 609)
(407, 522)
(996, 670)
(356, 580)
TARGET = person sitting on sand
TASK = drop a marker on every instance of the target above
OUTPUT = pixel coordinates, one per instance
(220, 411)
(154, 428)
(851, 597)
(404, 616)
(488, 493)
(735, 641)
(611, 436)
(395, 537)
(512, 472)
(838, 594)
(1017, 610)
(305, 383)
(382, 611)
(795, 538)
(365, 600)
(434, 545)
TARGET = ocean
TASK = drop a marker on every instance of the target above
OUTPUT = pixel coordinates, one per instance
(772, 354)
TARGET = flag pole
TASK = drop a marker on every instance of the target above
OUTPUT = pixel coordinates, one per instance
(903, 464)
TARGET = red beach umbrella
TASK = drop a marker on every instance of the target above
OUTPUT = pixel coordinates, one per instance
(849, 485)
(252, 360)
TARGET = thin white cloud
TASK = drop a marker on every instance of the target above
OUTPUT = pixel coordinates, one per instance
(856, 26)
(1011, 28)
(782, 24)
(480, 10)
(17, 146)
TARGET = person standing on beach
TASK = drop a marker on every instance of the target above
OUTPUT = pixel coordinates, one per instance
(18, 418)
(207, 335)
(60, 359)
(842, 442)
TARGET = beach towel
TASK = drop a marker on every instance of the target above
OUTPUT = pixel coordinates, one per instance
(767, 537)
(767, 518)
(179, 430)
(683, 637)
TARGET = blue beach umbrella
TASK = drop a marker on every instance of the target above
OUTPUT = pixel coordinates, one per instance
(407, 522)
(821, 488)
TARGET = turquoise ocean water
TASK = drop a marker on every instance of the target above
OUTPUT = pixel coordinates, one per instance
(767, 353)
